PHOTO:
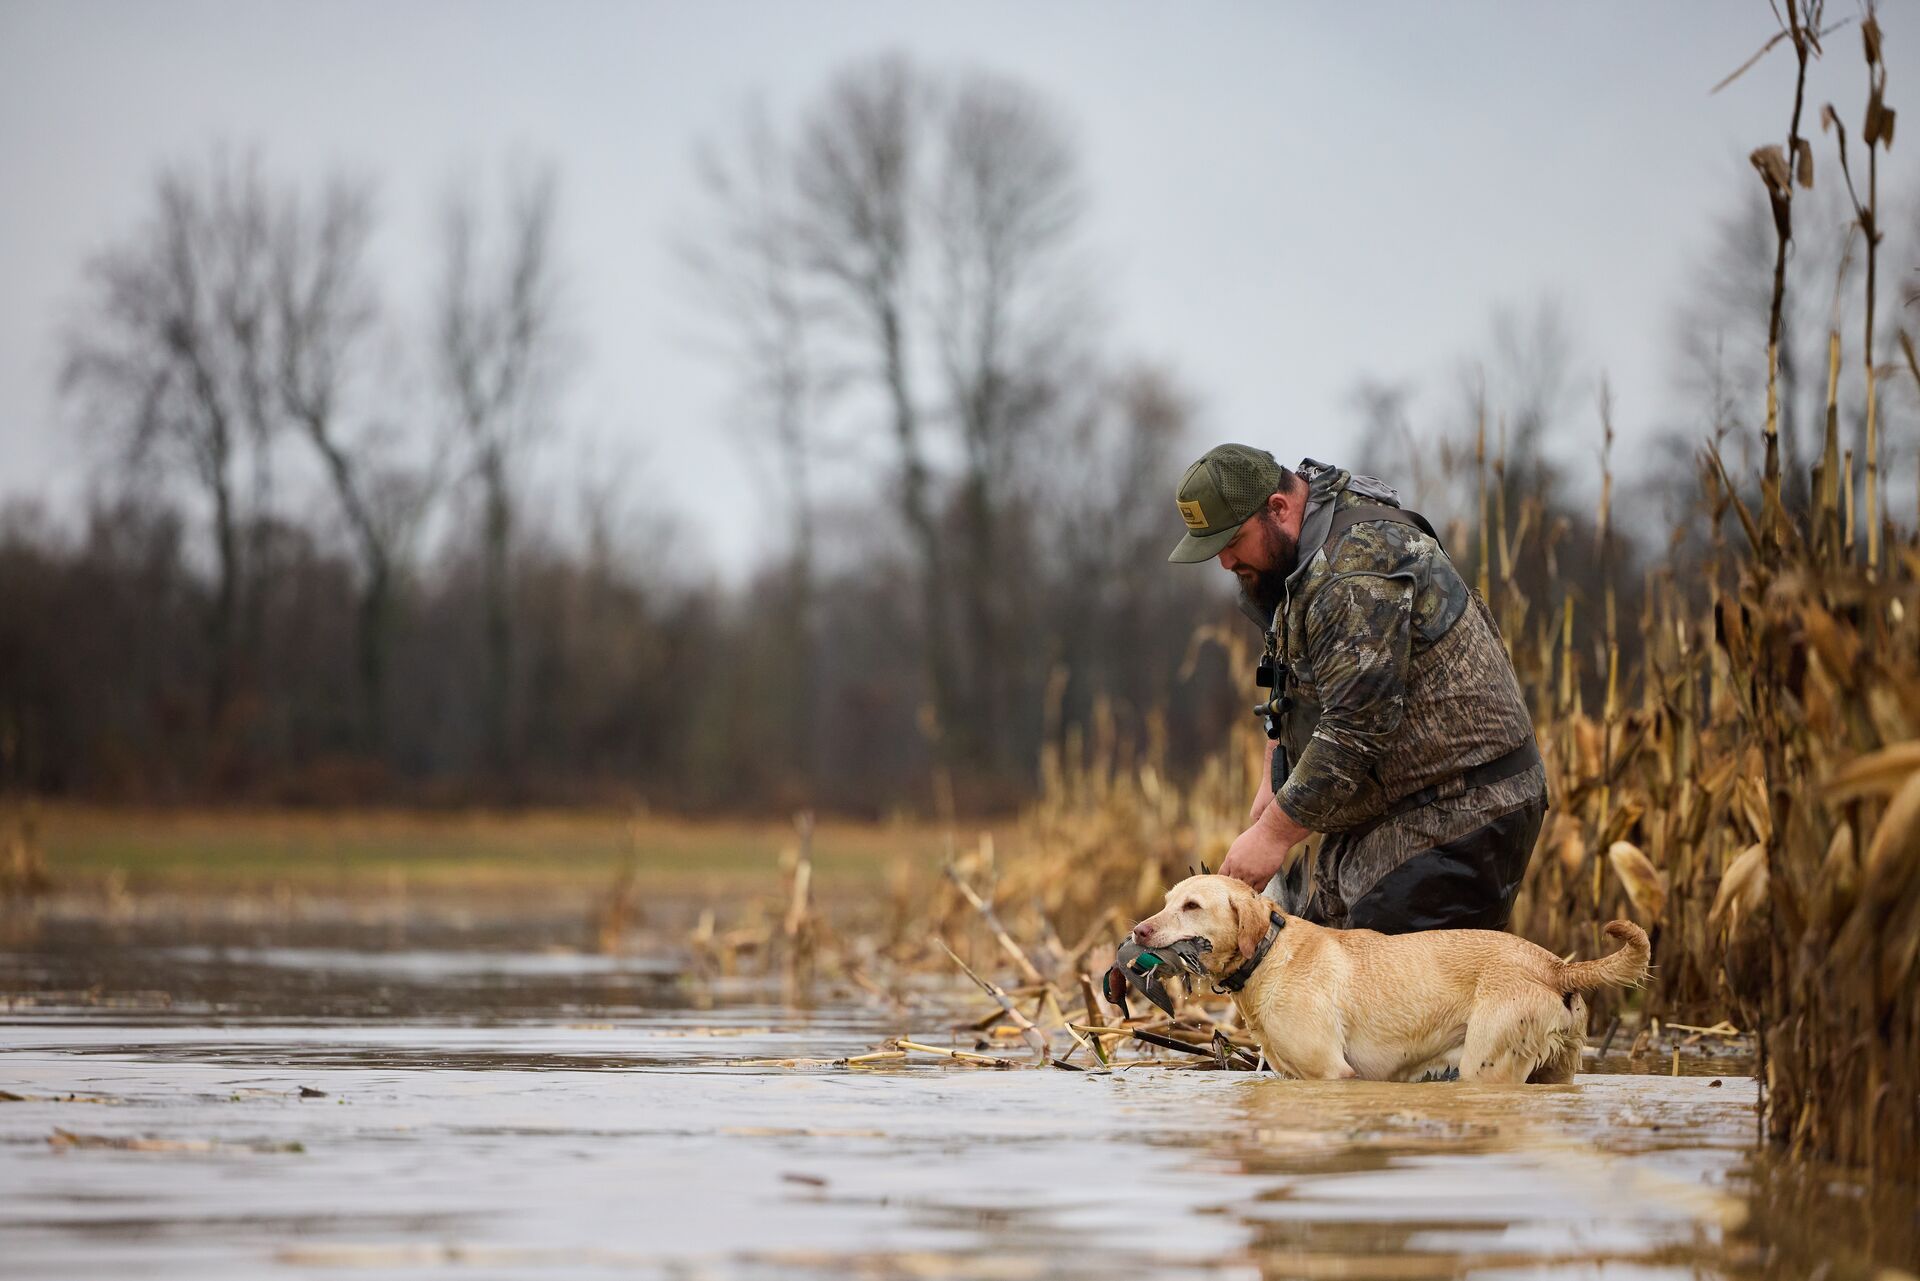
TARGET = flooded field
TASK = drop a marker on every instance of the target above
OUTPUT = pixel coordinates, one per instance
(476, 1094)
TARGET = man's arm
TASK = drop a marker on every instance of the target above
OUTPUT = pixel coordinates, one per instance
(1359, 639)
(1263, 794)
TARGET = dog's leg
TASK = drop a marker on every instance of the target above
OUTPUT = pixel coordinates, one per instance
(1500, 1067)
(1321, 1058)
(1313, 1058)
(1510, 1033)
(1564, 1060)
(1332, 1067)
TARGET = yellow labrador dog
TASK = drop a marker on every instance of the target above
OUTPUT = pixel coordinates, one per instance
(1328, 1004)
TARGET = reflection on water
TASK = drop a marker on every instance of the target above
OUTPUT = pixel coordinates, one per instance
(319, 1104)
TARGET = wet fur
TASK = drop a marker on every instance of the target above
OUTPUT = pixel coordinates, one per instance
(1332, 1004)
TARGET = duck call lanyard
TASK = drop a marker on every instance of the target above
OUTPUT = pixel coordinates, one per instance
(1271, 676)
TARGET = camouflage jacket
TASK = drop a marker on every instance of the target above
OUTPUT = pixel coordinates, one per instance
(1395, 676)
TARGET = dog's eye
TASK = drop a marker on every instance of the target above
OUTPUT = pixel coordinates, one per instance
(1191, 906)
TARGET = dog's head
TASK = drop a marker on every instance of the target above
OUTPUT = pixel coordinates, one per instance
(1223, 911)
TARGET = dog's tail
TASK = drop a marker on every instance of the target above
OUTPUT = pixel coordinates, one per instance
(1626, 966)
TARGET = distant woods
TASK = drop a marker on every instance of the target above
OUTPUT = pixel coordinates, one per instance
(316, 565)
(236, 333)
(315, 568)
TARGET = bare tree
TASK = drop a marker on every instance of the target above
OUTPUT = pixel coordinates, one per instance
(171, 357)
(1106, 503)
(747, 269)
(938, 218)
(326, 313)
(1115, 622)
(1531, 379)
(1006, 199)
(497, 350)
(857, 168)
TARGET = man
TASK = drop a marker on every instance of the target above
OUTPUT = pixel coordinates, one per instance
(1396, 725)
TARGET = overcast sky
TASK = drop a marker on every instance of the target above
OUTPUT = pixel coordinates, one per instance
(1284, 196)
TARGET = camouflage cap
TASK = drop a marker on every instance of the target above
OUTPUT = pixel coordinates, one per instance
(1219, 494)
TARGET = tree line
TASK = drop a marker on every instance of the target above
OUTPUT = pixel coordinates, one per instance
(896, 275)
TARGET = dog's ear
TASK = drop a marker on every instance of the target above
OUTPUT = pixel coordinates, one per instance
(1250, 915)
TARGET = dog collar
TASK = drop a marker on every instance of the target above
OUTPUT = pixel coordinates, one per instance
(1238, 979)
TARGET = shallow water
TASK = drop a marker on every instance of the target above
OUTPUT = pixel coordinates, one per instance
(506, 1109)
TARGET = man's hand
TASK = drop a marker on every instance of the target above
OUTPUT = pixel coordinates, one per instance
(1264, 848)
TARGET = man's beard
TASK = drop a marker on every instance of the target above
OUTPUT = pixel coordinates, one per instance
(1266, 589)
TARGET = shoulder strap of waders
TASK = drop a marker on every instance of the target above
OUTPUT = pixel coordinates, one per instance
(1362, 513)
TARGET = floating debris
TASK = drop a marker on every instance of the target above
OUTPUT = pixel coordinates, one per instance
(67, 1140)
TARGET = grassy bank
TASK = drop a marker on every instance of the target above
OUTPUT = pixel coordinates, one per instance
(221, 851)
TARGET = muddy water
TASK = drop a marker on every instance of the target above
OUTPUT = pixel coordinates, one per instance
(342, 1101)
